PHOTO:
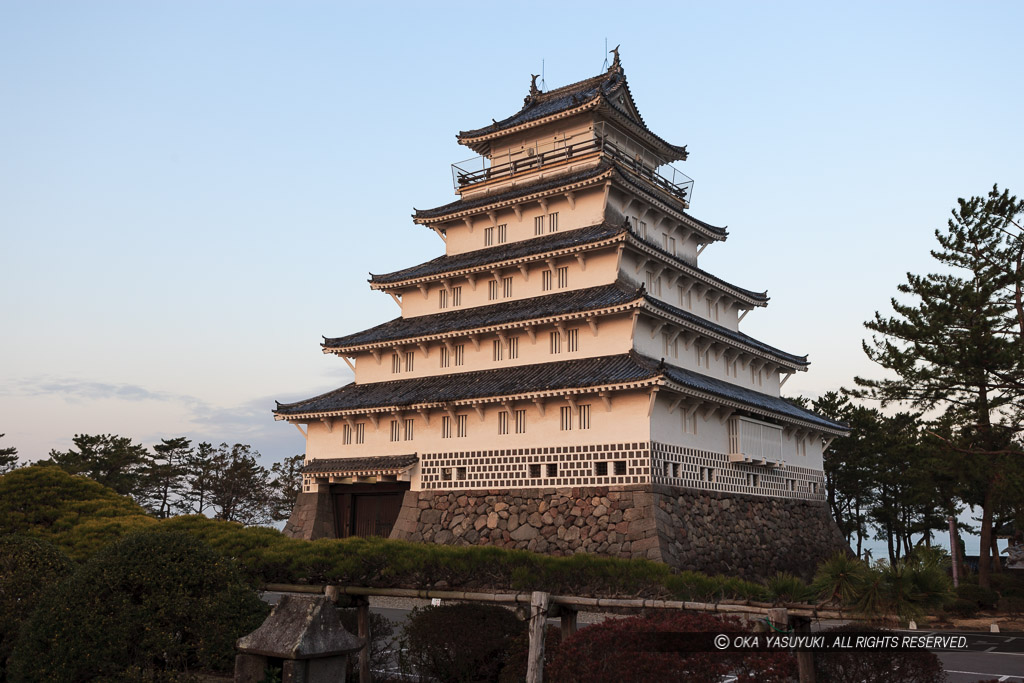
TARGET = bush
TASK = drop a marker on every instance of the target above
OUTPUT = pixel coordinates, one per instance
(906, 589)
(459, 643)
(27, 568)
(840, 579)
(77, 514)
(876, 667)
(1011, 604)
(984, 598)
(616, 650)
(153, 602)
(963, 609)
(785, 587)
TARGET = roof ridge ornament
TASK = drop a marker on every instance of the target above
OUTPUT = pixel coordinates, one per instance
(534, 90)
(616, 62)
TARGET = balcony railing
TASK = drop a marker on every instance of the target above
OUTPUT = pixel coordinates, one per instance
(479, 169)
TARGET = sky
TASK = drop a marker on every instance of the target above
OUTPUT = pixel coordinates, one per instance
(192, 193)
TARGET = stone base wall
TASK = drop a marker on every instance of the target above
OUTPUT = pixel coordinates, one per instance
(312, 517)
(748, 536)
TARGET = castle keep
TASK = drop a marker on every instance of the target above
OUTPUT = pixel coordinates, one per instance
(566, 378)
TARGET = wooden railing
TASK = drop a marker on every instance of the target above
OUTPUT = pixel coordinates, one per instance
(679, 184)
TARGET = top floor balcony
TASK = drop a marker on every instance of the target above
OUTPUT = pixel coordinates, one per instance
(479, 170)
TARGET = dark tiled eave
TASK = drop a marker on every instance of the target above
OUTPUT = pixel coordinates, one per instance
(501, 253)
(494, 315)
(619, 372)
(617, 171)
(570, 239)
(370, 465)
(597, 91)
(481, 384)
(564, 305)
(738, 337)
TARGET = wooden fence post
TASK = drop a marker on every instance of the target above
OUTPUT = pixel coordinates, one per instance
(568, 618)
(363, 623)
(804, 658)
(538, 620)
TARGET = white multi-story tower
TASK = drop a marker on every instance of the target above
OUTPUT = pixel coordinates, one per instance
(566, 349)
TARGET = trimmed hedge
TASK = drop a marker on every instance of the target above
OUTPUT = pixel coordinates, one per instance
(876, 667)
(74, 513)
(155, 601)
(28, 567)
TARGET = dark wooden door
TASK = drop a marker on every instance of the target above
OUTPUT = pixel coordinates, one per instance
(366, 510)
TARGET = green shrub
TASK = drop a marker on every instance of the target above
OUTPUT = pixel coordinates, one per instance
(785, 587)
(153, 602)
(620, 651)
(74, 513)
(906, 589)
(840, 579)
(459, 643)
(984, 598)
(28, 567)
(876, 667)
(963, 609)
(1011, 604)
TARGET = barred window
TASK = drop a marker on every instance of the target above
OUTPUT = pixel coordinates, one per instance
(460, 425)
(506, 286)
(670, 244)
(685, 299)
(566, 418)
(396, 432)
(502, 233)
(409, 356)
(446, 427)
(497, 349)
(641, 229)
(460, 472)
(488, 236)
(409, 428)
(346, 434)
(563, 277)
(535, 471)
(396, 363)
(555, 342)
(653, 284)
(670, 345)
(553, 222)
(620, 467)
(572, 340)
(545, 280)
(513, 347)
(601, 469)
(360, 432)
(442, 298)
(457, 296)
(503, 422)
(460, 354)
(445, 358)
(552, 469)
(584, 420)
(492, 290)
(538, 225)
(520, 422)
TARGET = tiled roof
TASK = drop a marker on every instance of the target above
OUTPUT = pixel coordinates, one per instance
(622, 172)
(518, 191)
(571, 374)
(502, 252)
(725, 331)
(608, 86)
(371, 464)
(477, 384)
(562, 303)
(573, 301)
(754, 399)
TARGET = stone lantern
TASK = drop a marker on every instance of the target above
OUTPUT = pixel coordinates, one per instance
(303, 636)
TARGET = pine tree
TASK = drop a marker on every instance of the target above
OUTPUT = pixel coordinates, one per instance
(955, 347)
(111, 460)
(8, 458)
(164, 477)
